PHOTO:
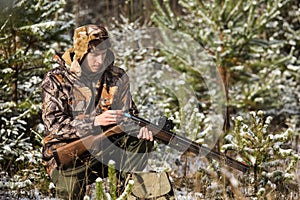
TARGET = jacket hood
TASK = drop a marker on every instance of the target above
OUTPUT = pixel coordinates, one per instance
(81, 45)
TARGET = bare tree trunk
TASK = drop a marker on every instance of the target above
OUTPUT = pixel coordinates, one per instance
(224, 75)
(77, 12)
(15, 68)
(15, 85)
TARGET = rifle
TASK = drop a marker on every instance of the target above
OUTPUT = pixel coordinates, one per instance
(67, 154)
(162, 132)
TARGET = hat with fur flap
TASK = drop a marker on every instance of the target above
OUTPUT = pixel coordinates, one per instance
(81, 45)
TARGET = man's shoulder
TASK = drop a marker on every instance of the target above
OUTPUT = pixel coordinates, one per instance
(117, 71)
(57, 71)
(58, 74)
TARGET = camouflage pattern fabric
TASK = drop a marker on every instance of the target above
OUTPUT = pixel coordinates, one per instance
(82, 37)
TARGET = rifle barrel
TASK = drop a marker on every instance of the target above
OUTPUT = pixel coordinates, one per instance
(181, 143)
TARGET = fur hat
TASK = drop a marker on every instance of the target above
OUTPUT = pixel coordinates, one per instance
(81, 44)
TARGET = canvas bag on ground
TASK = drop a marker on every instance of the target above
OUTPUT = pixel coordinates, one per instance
(151, 185)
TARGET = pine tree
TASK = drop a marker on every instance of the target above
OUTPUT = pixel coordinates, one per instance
(242, 37)
(30, 30)
(269, 154)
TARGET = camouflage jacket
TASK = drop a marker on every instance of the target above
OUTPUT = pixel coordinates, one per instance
(71, 103)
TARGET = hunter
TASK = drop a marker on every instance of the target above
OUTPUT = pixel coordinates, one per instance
(86, 94)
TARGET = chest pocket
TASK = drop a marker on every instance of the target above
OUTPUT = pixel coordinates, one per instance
(107, 98)
(81, 98)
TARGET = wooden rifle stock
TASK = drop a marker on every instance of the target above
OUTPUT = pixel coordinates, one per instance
(181, 143)
(67, 154)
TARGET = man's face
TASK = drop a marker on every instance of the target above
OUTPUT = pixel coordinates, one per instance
(94, 60)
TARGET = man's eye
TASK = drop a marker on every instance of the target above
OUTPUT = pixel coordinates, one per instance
(96, 54)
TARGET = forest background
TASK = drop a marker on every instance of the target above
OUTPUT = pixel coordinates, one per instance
(226, 72)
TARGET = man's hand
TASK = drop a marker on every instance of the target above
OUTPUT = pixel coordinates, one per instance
(109, 117)
(145, 134)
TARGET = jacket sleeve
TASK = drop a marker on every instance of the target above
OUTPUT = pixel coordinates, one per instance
(60, 125)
